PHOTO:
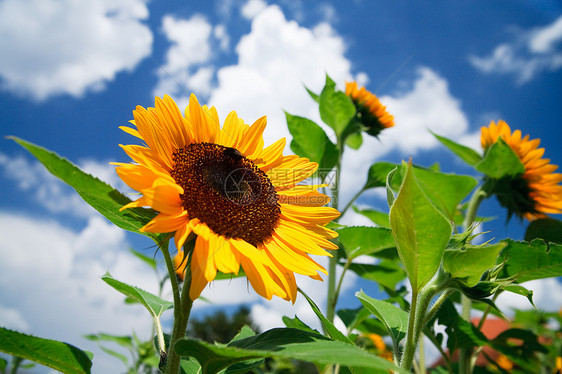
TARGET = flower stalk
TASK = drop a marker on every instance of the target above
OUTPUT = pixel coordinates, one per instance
(182, 310)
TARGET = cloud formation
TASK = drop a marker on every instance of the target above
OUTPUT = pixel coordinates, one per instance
(54, 47)
(533, 52)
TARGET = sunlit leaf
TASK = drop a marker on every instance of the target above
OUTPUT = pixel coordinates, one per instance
(420, 230)
(469, 264)
(124, 341)
(155, 305)
(281, 343)
(529, 261)
(394, 318)
(57, 355)
(500, 161)
(364, 240)
(310, 141)
(469, 155)
(102, 197)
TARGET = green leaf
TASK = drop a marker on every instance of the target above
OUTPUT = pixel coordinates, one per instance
(124, 341)
(548, 229)
(469, 155)
(364, 240)
(354, 140)
(150, 261)
(155, 305)
(310, 141)
(313, 95)
(530, 261)
(520, 290)
(336, 109)
(385, 273)
(56, 355)
(420, 230)
(500, 161)
(379, 218)
(102, 197)
(468, 265)
(376, 177)
(445, 191)
(296, 323)
(329, 327)
(394, 319)
(117, 355)
(389, 194)
(281, 343)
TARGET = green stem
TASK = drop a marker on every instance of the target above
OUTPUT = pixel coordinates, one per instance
(182, 310)
(172, 274)
(350, 203)
(435, 307)
(340, 282)
(476, 199)
(418, 316)
(332, 296)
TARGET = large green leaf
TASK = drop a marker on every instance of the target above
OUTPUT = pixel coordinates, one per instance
(282, 343)
(155, 305)
(528, 261)
(336, 108)
(500, 161)
(309, 140)
(102, 197)
(469, 155)
(548, 229)
(469, 264)
(394, 319)
(385, 273)
(364, 240)
(420, 230)
(57, 355)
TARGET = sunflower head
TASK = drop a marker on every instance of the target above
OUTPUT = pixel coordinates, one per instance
(371, 114)
(243, 203)
(537, 191)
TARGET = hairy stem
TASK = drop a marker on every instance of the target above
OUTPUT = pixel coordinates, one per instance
(182, 310)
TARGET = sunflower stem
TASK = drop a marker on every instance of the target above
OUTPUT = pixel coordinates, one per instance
(333, 261)
(465, 357)
(182, 310)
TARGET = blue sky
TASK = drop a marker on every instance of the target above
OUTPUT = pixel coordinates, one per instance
(72, 72)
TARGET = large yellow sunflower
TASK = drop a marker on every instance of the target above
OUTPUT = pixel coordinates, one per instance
(537, 191)
(243, 201)
(370, 112)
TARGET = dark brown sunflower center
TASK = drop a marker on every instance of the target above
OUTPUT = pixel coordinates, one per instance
(226, 191)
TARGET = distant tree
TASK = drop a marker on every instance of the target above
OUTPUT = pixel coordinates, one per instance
(218, 327)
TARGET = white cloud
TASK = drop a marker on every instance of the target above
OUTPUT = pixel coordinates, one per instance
(252, 8)
(185, 67)
(53, 47)
(534, 51)
(51, 287)
(50, 192)
(275, 60)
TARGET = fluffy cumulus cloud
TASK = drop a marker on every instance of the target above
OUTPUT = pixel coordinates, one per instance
(52, 47)
(186, 60)
(534, 51)
(51, 287)
(275, 60)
